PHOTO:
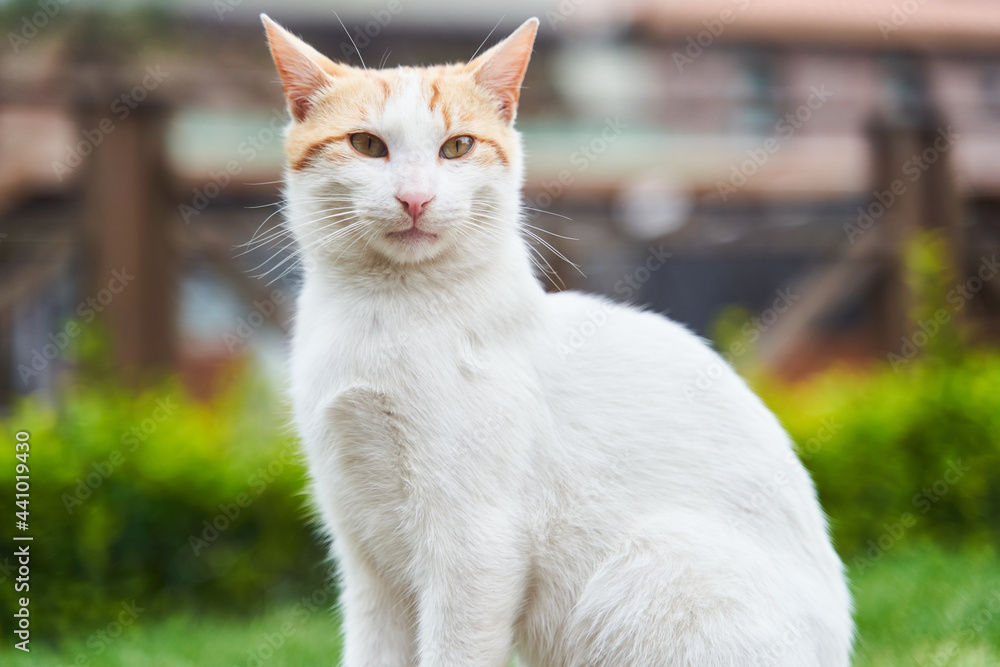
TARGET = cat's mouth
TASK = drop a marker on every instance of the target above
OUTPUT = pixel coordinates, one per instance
(412, 235)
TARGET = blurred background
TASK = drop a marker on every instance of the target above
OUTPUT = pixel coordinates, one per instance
(813, 186)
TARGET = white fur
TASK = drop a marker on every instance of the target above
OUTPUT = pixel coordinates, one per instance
(490, 485)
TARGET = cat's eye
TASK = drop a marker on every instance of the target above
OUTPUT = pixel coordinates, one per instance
(368, 144)
(457, 147)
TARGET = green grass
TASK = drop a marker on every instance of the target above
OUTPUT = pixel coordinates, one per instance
(923, 607)
(929, 608)
(292, 636)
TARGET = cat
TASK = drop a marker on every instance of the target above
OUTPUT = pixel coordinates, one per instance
(488, 488)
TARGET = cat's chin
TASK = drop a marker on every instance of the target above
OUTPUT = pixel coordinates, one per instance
(410, 246)
(411, 236)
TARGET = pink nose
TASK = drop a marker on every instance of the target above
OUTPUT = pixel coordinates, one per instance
(414, 203)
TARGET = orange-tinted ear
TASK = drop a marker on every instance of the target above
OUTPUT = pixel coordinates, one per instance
(303, 69)
(501, 69)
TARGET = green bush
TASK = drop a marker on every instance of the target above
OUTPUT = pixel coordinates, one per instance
(126, 487)
(909, 449)
(160, 499)
(902, 456)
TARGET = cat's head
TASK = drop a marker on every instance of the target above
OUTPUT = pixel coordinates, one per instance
(403, 165)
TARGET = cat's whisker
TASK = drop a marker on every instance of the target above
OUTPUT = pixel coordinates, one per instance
(554, 251)
(304, 249)
(278, 236)
(547, 270)
(257, 243)
(305, 219)
(285, 229)
(550, 233)
(548, 245)
(293, 260)
(476, 53)
(360, 236)
(367, 243)
(282, 205)
(352, 40)
(485, 226)
(467, 235)
(539, 210)
(285, 237)
(324, 239)
(264, 222)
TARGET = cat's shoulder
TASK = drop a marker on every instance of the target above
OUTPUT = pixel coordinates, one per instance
(591, 315)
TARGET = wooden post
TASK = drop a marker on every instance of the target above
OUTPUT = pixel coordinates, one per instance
(901, 217)
(129, 257)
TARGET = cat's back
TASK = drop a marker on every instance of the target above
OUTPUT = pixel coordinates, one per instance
(654, 407)
(638, 359)
(663, 455)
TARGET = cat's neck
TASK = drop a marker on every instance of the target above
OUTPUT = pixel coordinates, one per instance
(502, 281)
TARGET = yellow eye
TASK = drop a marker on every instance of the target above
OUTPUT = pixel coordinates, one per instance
(369, 144)
(457, 147)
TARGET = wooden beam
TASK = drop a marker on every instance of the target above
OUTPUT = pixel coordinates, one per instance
(128, 254)
(823, 290)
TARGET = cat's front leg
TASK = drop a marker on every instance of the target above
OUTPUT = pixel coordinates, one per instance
(471, 590)
(378, 622)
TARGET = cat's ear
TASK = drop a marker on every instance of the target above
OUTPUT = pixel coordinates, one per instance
(501, 69)
(304, 71)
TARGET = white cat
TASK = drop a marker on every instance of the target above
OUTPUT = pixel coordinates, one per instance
(489, 486)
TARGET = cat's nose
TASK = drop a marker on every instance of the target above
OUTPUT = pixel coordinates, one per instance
(414, 202)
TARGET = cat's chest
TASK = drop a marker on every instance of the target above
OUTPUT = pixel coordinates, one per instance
(396, 451)
(410, 388)
(433, 375)
(400, 412)
(401, 354)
